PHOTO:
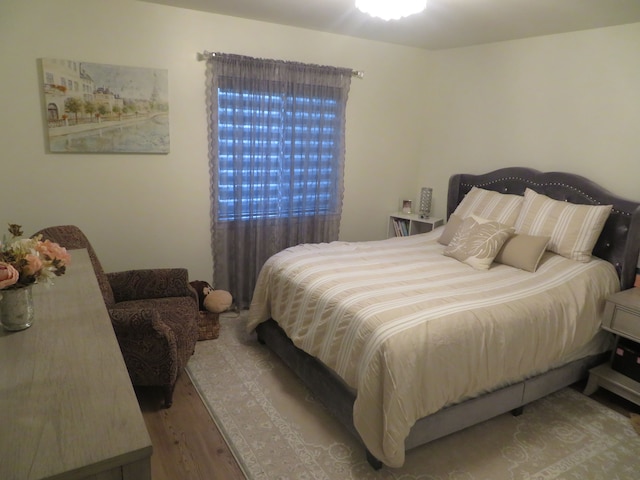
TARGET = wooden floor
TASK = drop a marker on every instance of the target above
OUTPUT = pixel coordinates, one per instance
(188, 446)
(186, 442)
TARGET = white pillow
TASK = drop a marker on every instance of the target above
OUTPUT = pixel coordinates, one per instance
(573, 229)
(500, 207)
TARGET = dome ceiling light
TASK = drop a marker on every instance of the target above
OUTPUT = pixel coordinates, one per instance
(391, 9)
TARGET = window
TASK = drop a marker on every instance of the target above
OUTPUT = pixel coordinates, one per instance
(288, 140)
(276, 159)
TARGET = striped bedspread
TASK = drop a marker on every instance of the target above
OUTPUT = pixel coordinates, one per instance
(414, 331)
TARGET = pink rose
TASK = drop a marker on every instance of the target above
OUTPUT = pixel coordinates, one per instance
(34, 264)
(8, 275)
(53, 251)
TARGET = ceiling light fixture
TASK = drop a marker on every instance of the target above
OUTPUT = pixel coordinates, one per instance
(391, 9)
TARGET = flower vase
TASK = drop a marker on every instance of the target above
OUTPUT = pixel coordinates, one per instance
(16, 308)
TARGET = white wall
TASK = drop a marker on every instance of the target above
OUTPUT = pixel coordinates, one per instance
(567, 102)
(143, 211)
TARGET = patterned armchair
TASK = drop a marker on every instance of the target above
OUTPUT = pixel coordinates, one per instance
(154, 315)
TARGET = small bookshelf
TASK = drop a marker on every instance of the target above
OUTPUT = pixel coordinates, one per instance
(405, 224)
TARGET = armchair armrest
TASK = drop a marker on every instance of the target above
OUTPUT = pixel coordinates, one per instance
(149, 347)
(138, 322)
(150, 283)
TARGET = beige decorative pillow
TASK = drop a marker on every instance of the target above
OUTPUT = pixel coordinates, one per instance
(450, 229)
(500, 207)
(573, 229)
(522, 251)
(478, 241)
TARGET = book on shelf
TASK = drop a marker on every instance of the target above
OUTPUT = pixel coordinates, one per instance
(401, 227)
(396, 227)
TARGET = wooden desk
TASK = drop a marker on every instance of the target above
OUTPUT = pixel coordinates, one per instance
(67, 407)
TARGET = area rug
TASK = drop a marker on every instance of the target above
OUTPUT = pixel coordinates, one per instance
(277, 430)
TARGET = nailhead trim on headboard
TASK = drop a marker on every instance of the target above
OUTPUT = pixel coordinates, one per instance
(593, 200)
(619, 242)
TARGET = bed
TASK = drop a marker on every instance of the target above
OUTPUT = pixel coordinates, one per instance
(405, 344)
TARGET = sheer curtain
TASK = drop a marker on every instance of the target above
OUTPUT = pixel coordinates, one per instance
(276, 159)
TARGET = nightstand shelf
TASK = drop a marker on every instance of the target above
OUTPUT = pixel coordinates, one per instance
(606, 377)
(621, 317)
(403, 224)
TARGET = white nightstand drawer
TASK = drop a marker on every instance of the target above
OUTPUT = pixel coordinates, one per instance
(624, 322)
(622, 317)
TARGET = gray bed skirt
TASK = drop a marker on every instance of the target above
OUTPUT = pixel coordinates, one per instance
(338, 398)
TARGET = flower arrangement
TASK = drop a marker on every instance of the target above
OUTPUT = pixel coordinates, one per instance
(24, 261)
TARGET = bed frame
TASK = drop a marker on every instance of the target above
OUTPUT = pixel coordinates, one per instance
(618, 244)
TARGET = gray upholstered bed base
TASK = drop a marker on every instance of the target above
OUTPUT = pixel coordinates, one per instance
(619, 244)
(338, 398)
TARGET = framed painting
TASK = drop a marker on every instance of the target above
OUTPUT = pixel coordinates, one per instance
(98, 108)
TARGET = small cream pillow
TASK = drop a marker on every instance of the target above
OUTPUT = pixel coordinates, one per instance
(573, 229)
(450, 229)
(500, 207)
(478, 241)
(218, 301)
(522, 251)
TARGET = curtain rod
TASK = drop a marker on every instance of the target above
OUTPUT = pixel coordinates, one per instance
(206, 54)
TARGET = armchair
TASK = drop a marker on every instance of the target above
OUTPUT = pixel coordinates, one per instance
(154, 314)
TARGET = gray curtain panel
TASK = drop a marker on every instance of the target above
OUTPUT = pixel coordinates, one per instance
(276, 159)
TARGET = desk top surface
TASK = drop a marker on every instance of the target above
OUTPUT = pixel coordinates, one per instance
(66, 400)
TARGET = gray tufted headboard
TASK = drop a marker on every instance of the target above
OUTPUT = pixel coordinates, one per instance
(619, 241)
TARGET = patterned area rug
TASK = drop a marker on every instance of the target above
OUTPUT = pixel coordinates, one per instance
(278, 431)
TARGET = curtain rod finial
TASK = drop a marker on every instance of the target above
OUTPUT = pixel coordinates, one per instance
(205, 55)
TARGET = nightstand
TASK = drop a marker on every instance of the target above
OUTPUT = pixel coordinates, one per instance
(403, 224)
(621, 317)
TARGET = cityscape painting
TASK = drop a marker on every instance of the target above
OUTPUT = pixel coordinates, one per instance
(98, 108)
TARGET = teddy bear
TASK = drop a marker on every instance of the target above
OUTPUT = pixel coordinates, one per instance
(210, 300)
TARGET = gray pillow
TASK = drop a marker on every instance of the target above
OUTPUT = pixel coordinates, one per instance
(450, 229)
(523, 251)
(478, 241)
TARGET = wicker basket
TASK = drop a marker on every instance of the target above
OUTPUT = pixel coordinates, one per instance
(209, 324)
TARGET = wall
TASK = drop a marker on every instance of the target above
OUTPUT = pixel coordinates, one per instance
(567, 102)
(143, 211)
(564, 102)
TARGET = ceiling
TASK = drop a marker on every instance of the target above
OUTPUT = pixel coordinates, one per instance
(444, 24)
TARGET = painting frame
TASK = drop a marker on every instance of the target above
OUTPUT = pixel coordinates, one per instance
(102, 108)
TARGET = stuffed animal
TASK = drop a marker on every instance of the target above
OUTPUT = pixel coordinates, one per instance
(218, 301)
(210, 300)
